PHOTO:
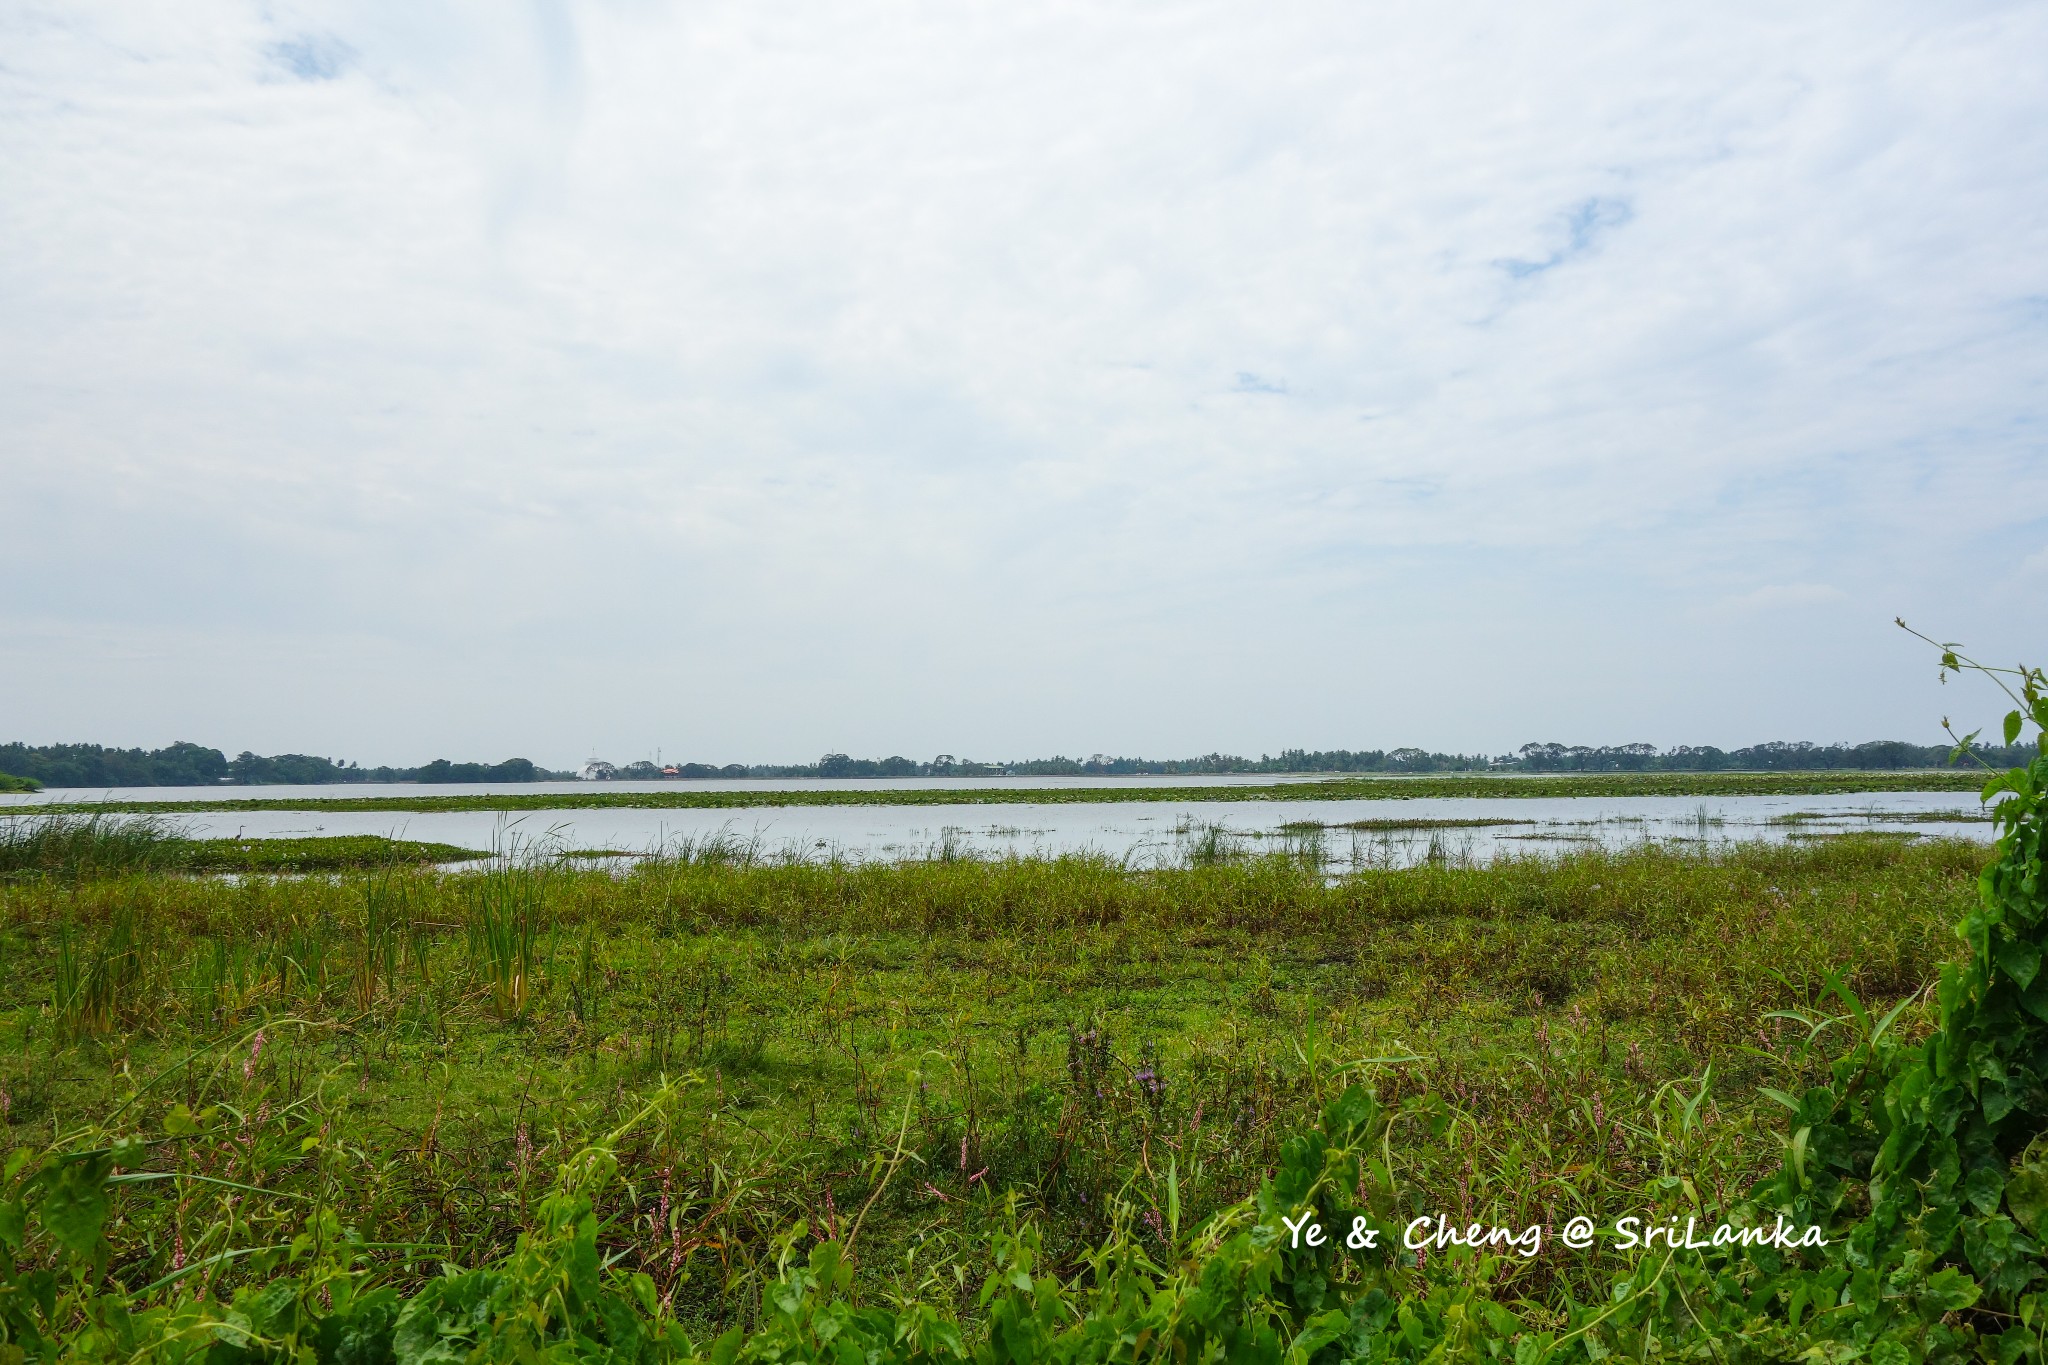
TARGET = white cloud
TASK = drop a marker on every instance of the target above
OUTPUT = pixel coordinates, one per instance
(900, 376)
(1783, 596)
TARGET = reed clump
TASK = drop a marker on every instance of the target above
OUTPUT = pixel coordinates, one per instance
(101, 845)
(75, 846)
(504, 913)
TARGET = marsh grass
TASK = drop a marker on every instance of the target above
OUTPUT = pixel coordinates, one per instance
(330, 853)
(99, 844)
(1915, 817)
(1415, 825)
(387, 905)
(96, 977)
(86, 845)
(1565, 1033)
(503, 920)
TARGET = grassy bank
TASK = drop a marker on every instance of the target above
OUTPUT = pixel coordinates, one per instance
(72, 848)
(924, 1041)
(1336, 789)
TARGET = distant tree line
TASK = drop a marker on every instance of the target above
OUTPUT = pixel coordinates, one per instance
(1778, 756)
(1286, 761)
(1100, 765)
(193, 765)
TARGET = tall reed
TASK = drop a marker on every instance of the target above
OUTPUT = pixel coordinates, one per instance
(77, 846)
(503, 924)
(386, 902)
(97, 980)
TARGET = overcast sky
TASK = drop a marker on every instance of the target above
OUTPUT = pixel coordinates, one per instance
(744, 380)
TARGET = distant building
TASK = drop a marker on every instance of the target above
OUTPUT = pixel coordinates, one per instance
(597, 770)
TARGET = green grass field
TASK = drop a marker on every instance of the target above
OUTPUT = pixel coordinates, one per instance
(1568, 1035)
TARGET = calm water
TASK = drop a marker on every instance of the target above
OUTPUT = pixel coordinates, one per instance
(1145, 833)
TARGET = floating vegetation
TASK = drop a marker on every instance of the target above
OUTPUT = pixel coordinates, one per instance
(1810, 834)
(1387, 788)
(1903, 817)
(99, 845)
(1399, 826)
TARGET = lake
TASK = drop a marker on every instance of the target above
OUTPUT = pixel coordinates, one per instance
(1353, 834)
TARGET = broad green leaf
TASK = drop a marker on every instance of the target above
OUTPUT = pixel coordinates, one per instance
(74, 1204)
(2021, 960)
(1951, 1289)
(1984, 1187)
(1997, 1102)
(2026, 1194)
(1350, 1115)
(361, 1334)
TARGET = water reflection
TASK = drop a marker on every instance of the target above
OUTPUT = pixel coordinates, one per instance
(1339, 836)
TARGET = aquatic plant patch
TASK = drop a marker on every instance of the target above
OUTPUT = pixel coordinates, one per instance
(99, 845)
(1347, 789)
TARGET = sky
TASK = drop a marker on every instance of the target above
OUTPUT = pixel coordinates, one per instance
(742, 381)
